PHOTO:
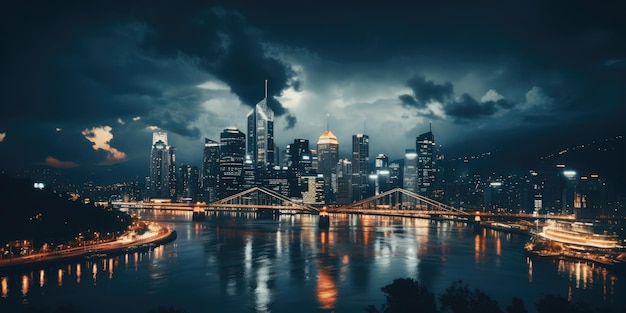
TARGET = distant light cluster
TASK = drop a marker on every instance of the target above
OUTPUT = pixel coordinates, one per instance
(599, 145)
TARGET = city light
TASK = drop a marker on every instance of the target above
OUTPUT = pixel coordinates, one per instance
(569, 173)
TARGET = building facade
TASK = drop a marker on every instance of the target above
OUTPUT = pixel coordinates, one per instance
(161, 163)
(210, 170)
(232, 157)
(425, 147)
(360, 166)
(328, 156)
(260, 145)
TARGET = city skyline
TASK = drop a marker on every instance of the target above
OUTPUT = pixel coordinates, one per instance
(86, 85)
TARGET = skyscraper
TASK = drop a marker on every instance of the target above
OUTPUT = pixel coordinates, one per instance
(425, 144)
(188, 183)
(343, 182)
(360, 166)
(210, 170)
(382, 173)
(260, 146)
(160, 166)
(328, 156)
(299, 164)
(410, 170)
(232, 156)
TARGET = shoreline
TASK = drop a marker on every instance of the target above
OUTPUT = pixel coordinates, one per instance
(163, 236)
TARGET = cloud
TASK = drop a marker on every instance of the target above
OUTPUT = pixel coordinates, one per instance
(100, 138)
(227, 47)
(53, 162)
(536, 98)
(2, 136)
(426, 91)
(466, 107)
(408, 100)
(291, 121)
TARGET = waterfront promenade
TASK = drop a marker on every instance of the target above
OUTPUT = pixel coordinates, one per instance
(155, 234)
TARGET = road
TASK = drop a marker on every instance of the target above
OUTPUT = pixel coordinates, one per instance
(156, 233)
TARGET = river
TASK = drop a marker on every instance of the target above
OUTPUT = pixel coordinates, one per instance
(236, 262)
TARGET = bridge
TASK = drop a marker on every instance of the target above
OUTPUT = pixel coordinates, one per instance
(252, 199)
(397, 202)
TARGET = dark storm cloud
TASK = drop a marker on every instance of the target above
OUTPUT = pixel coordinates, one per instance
(408, 100)
(227, 47)
(291, 121)
(503, 103)
(426, 91)
(467, 108)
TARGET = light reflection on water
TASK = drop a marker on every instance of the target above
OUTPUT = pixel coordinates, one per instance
(246, 264)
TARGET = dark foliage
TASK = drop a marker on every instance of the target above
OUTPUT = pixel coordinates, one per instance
(406, 295)
(165, 309)
(458, 298)
(46, 216)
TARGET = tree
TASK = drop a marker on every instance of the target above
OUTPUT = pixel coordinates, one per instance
(458, 298)
(406, 295)
(517, 306)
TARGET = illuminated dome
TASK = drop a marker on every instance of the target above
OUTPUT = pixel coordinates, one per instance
(327, 138)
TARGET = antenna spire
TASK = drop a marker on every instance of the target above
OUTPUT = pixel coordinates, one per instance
(327, 116)
(364, 125)
(266, 89)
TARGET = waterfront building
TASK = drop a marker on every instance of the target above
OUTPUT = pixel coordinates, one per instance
(276, 179)
(260, 145)
(360, 166)
(383, 175)
(232, 156)
(343, 182)
(160, 167)
(249, 177)
(300, 164)
(425, 144)
(188, 183)
(210, 170)
(328, 156)
(395, 175)
(590, 201)
(410, 170)
(567, 201)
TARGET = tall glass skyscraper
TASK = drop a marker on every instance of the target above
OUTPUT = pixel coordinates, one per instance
(232, 157)
(328, 156)
(210, 170)
(410, 170)
(161, 164)
(260, 146)
(425, 147)
(360, 166)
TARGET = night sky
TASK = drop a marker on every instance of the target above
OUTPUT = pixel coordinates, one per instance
(84, 83)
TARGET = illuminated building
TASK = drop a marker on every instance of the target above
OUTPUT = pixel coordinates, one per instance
(410, 170)
(382, 173)
(188, 183)
(299, 164)
(425, 144)
(232, 155)
(160, 167)
(260, 146)
(328, 156)
(210, 170)
(590, 201)
(360, 166)
(343, 182)
(567, 201)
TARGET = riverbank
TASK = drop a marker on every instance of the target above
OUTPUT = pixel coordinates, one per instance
(155, 235)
